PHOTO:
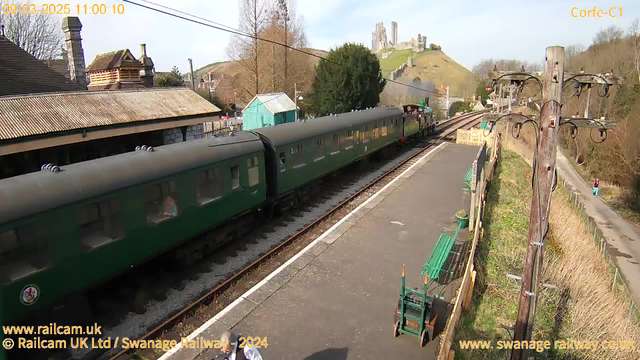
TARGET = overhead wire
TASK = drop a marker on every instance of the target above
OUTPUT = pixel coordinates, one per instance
(231, 30)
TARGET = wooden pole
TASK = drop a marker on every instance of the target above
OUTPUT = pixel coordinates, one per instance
(541, 200)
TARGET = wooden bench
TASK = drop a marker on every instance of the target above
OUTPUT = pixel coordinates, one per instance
(439, 255)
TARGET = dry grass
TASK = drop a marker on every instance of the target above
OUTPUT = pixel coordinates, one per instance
(594, 311)
(584, 307)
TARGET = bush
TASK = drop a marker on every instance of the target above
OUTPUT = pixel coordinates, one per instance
(433, 46)
(459, 106)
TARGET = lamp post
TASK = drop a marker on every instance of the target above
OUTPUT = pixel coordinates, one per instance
(235, 108)
(296, 98)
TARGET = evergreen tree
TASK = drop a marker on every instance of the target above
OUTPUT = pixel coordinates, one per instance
(355, 84)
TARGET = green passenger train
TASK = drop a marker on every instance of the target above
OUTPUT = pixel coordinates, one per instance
(64, 230)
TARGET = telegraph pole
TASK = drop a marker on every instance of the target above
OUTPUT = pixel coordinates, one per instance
(193, 86)
(541, 199)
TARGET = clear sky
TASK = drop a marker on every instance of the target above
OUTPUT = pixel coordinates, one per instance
(468, 30)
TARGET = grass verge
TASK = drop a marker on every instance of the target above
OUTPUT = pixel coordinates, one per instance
(585, 306)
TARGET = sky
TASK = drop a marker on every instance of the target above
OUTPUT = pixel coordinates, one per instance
(468, 30)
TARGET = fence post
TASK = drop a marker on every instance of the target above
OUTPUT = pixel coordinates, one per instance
(615, 278)
(473, 194)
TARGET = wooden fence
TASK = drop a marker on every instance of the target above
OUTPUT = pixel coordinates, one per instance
(465, 291)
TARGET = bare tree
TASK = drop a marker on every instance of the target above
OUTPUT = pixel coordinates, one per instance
(570, 53)
(39, 35)
(634, 38)
(253, 16)
(608, 35)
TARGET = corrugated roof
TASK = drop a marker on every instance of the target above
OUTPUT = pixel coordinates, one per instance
(275, 102)
(21, 73)
(113, 60)
(29, 115)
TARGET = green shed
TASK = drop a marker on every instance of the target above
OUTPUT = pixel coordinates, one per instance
(268, 110)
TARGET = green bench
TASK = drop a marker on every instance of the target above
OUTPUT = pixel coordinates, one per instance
(466, 180)
(439, 255)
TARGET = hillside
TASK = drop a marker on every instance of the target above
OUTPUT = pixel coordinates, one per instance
(433, 68)
(231, 68)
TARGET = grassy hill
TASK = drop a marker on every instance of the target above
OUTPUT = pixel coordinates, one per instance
(430, 66)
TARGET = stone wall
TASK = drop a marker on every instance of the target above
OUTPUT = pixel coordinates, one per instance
(172, 136)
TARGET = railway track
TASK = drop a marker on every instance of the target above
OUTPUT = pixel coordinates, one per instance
(208, 305)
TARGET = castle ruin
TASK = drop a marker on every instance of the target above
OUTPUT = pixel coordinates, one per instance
(379, 40)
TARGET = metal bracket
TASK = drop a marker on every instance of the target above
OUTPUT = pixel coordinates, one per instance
(529, 293)
(509, 330)
(537, 243)
(514, 277)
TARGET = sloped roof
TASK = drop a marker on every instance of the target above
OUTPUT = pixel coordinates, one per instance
(275, 102)
(114, 60)
(21, 73)
(58, 65)
(28, 115)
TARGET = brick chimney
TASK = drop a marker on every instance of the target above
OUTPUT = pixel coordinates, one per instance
(148, 72)
(71, 26)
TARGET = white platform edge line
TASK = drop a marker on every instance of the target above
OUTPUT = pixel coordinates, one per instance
(229, 307)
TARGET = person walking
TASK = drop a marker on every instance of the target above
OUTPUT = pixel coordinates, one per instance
(596, 187)
(231, 349)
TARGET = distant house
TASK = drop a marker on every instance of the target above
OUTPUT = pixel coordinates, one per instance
(120, 70)
(268, 110)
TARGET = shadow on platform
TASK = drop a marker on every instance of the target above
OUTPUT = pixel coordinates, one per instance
(329, 354)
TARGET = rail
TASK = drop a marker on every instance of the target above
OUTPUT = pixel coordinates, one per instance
(450, 126)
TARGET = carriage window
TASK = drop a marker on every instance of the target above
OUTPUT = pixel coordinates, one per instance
(383, 130)
(348, 144)
(335, 144)
(23, 252)
(365, 134)
(235, 177)
(299, 158)
(254, 171)
(100, 223)
(376, 131)
(161, 202)
(318, 149)
(283, 162)
(208, 186)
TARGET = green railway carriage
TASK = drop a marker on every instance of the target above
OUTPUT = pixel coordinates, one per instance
(62, 232)
(300, 152)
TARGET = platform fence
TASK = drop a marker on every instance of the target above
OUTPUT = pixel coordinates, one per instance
(465, 291)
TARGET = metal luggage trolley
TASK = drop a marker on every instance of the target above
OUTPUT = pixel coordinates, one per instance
(414, 314)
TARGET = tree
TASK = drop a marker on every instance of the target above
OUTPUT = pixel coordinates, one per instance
(174, 78)
(608, 35)
(459, 106)
(482, 92)
(253, 16)
(433, 46)
(38, 34)
(354, 84)
(281, 67)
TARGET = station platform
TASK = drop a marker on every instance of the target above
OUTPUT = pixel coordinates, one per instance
(335, 299)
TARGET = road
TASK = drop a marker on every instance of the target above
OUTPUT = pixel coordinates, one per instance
(621, 236)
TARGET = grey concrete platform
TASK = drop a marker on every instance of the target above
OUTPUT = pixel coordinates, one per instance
(336, 300)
